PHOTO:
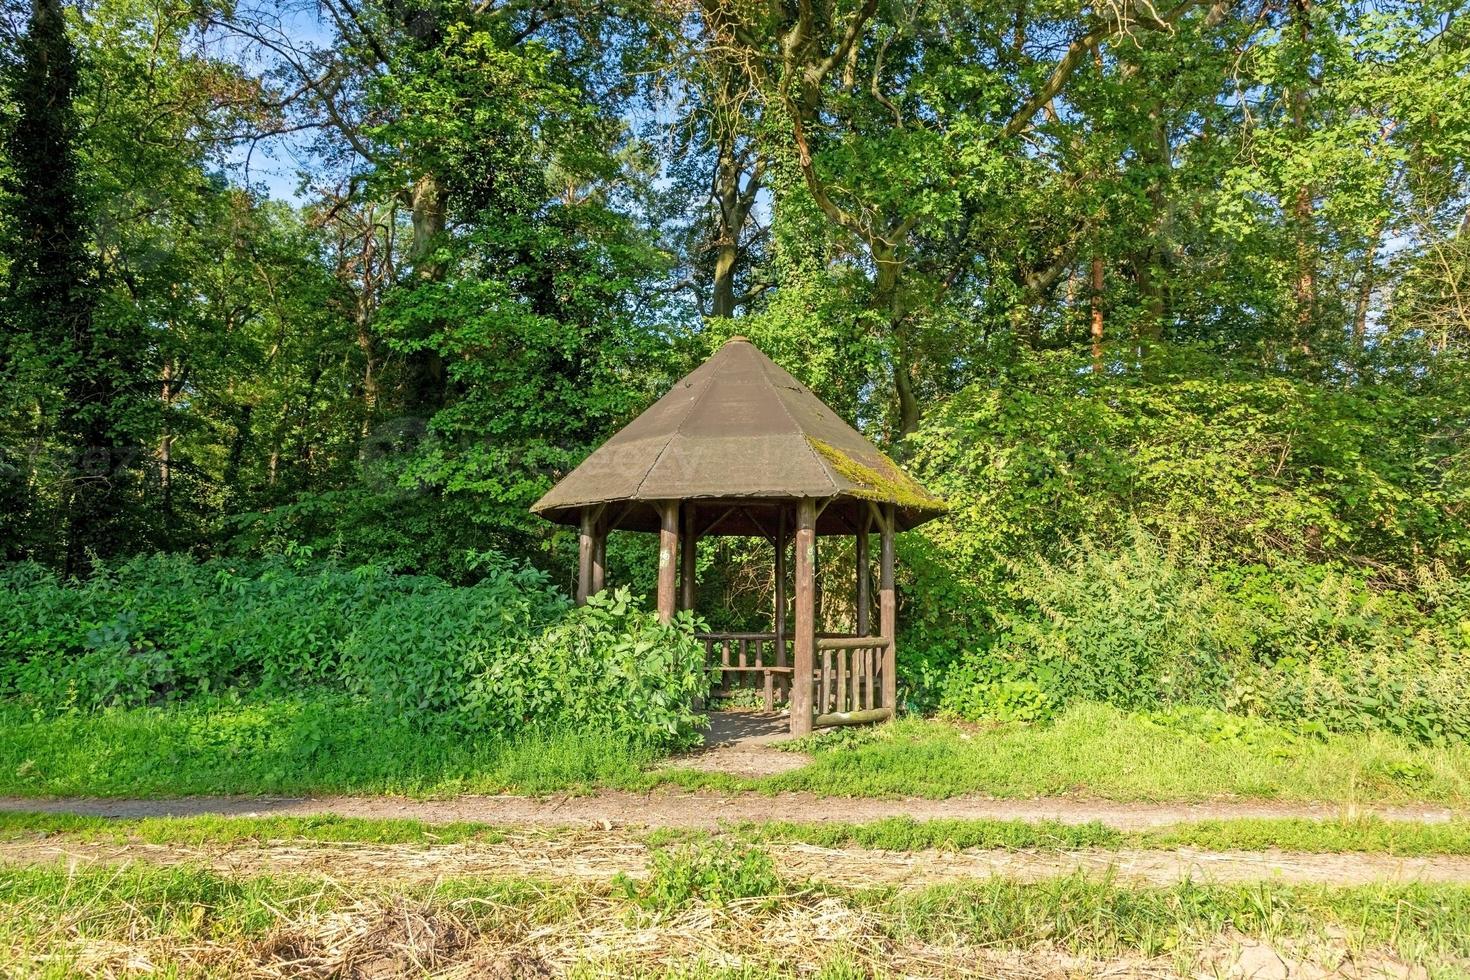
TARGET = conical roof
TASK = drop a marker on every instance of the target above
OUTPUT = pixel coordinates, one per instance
(742, 432)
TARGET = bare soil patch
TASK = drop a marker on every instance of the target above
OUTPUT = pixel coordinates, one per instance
(706, 810)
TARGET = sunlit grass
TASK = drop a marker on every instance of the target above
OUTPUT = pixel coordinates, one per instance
(309, 745)
(1096, 750)
(336, 745)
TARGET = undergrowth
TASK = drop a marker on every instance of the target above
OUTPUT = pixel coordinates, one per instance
(483, 661)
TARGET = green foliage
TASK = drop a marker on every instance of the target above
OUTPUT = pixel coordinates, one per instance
(1311, 647)
(969, 694)
(611, 660)
(485, 272)
(310, 742)
(1205, 453)
(489, 658)
(1160, 535)
(716, 872)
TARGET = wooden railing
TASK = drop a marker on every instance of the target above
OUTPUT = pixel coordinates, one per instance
(749, 660)
(849, 680)
(847, 673)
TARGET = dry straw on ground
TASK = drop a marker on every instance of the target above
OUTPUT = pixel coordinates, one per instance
(577, 928)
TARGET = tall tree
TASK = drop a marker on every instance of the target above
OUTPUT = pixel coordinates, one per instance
(94, 365)
(901, 115)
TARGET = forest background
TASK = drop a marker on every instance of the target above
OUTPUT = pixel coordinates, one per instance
(303, 305)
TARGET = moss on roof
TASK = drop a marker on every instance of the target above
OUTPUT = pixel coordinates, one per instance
(888, 484)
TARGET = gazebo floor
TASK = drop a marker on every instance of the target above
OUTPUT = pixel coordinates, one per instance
(746, 728)
(743, 743)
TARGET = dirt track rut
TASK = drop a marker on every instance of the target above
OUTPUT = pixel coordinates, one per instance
(600, 857)
(703, 810)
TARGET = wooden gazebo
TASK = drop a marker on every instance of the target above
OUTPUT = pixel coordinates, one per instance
(740, 447)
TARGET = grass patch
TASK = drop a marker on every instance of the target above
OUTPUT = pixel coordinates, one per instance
(1097, 750)
(339, 745)
(1103, 918)
(908, 834)
(235, 830)
(307, 745)
(193, 921)
(715, 872)
(1366, 835)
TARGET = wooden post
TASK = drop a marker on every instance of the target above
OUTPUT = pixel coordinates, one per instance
(599, 553)
(780, 616)
(818, 597)
(688, 558)
(888, 608)
(863, 585)
(668, 558)
(806, 621)
(585, 549)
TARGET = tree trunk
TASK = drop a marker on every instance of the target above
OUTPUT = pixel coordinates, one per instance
(363, 311)
(54, 297)
(888, 301)
(424, 381)
(735, 191)
(236, 455)
(1152, 287)
(1365, 288)
(1305, 288)
(727, 231)
(166, 446)
(1152, 294)
(1096, 328)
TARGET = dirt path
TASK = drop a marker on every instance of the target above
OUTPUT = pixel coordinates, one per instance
(612, 808)
(598, 857)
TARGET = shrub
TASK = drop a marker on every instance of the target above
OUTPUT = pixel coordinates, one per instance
(480, 665)
(1201, 451)
(1282, 486)
(971, 697)
(163, 628)
(489, 658)
(1145, 628)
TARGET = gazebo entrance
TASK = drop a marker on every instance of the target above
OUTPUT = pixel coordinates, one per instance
(740, 447)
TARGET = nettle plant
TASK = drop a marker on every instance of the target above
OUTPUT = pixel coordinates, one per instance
(492, 658)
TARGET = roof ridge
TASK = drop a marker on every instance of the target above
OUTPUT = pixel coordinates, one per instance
(800, 429)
